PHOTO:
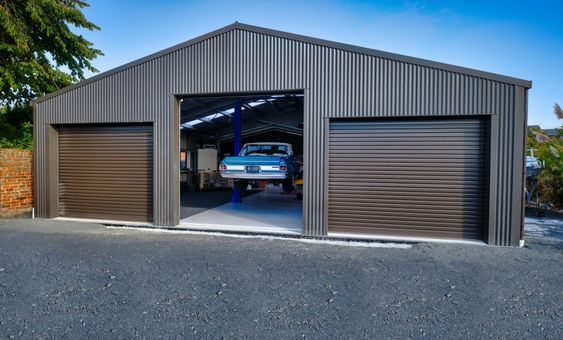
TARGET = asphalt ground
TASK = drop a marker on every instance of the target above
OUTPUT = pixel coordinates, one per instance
(79, 280)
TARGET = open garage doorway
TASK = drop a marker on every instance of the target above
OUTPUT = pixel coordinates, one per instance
(241, 163)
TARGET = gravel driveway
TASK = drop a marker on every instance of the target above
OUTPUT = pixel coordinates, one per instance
(78, 280)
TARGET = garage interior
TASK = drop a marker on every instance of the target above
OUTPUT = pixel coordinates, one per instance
(209, 132)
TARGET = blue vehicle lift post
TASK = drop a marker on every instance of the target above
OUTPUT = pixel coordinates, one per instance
(237, 120)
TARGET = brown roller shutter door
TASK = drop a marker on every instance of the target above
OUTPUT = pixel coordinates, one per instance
(422, 178)
(105, 172)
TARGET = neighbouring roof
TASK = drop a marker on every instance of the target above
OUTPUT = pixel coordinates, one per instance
(305, 39)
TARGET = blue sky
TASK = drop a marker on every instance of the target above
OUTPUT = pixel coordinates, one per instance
(523, 39)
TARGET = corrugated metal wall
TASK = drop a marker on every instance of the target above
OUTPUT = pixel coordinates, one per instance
(337, 82)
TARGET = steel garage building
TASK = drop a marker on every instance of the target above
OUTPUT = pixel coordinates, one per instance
(391, 145)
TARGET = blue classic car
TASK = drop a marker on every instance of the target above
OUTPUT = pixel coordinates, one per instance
(273, 162)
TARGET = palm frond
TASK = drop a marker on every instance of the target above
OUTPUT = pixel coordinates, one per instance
(540, 138)
(558, 111)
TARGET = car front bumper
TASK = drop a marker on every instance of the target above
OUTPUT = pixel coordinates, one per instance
(256, 176)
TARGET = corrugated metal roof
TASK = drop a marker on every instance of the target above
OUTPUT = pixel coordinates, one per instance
(305, 39)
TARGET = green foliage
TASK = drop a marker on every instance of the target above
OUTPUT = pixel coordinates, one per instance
(16, 130)
(24, 141)
(550, 187)
(550, 152)
(39, 54)
(37, 44)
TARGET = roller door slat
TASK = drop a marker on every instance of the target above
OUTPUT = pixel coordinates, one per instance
(369, 200)
(105, 172)
(417, 178)
(410, 209)
(412, 232)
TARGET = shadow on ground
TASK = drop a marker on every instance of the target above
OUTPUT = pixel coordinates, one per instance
(196, 202)
(546, 230)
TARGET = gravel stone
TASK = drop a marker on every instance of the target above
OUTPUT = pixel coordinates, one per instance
(62, 283)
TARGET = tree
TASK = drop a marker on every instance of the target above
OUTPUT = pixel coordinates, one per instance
(39, 54)
(550, 152)
(36, 42)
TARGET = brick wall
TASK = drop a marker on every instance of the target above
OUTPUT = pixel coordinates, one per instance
(16, 183)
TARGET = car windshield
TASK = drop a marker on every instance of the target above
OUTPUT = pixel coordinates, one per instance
(264, 150)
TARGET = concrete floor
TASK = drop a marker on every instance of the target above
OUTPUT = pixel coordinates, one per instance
(192, 203)
(268, 211)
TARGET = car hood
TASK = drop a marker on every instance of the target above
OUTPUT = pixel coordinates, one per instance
(253, 160)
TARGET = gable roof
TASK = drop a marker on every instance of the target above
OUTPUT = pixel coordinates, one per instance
(301, 38)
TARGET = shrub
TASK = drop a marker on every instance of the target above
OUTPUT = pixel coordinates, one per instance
(16, 129)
